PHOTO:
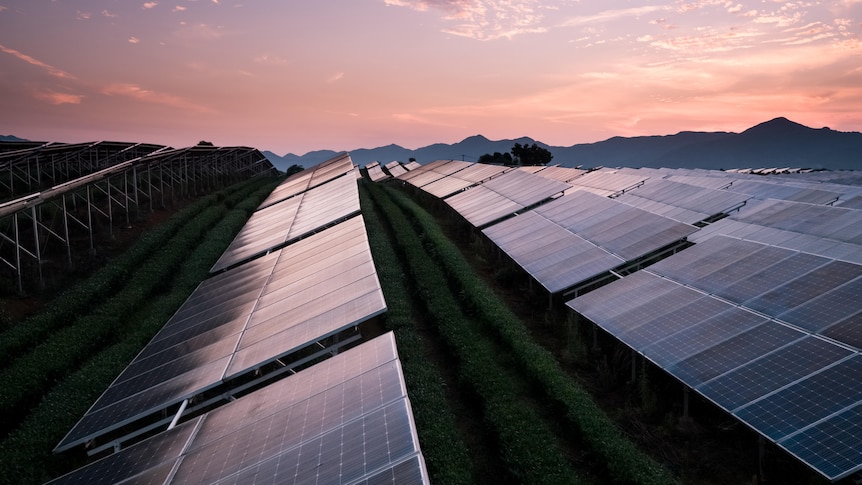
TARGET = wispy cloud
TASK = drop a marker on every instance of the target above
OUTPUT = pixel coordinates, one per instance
(483, 19)
(134, 40)
(198, 32)
(335, 77)
(54, 71)
(83, 15)
(56, 98)
(179, 8)
(134, 91)
(268, 59)
(106, 13)
(709, 41)
(149, 5)
(610, 15)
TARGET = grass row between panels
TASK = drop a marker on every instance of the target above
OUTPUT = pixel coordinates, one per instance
(27, 450)
(25, 335)
(446, 455)
(32, 374)
(527, 445)
(625, 462)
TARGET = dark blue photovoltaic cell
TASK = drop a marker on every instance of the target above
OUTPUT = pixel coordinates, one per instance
(772, 371)
(848, 331)
(623, 295)
(804, 288)
(827, 309)
(341, 420)
(806, 401)
(734, 352)
(767, 278)
(720, 323)
(834, 447)
(408, 472)
(701, 260)
(157, 454)
(743, 268)
(688, 308)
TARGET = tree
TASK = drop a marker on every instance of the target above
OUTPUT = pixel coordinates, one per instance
(496, 159)
(204, 143)
(295, 168)
(531, 154)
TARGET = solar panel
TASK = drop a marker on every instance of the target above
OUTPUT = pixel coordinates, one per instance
(740, 349)
(241, 319)
(502, 196)
(667, 197)
(309, 178)
(806, 287)
(772, 371)
(743, 332)
(620, 229)
(807, 401)
(342, 420)
(847, 331)
(608, 182)
(291, 219)
(833, 446)
(555, 257)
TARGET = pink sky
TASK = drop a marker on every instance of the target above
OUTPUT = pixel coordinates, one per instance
(296, 76)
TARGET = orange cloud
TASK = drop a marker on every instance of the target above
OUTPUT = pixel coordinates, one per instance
(136, 92)
(483, 19)
(56, 72)
(54, 97)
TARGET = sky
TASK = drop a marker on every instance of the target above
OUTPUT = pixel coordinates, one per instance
(293, 76)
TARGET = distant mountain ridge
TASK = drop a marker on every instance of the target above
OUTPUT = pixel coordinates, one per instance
(775, 143)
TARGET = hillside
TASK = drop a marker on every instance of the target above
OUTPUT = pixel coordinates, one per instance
(774, 143)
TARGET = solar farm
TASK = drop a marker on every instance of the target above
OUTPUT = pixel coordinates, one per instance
(330, 335)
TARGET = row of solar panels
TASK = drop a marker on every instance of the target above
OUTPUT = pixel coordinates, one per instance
(761, 316)
(107, 159)
(292, 288)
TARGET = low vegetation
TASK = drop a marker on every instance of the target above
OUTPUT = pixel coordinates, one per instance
(491, 404)
(50, 386)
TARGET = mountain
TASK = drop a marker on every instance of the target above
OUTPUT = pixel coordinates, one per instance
(775, 143)
(10, 138)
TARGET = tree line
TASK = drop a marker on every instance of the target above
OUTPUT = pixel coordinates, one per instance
(521, 155)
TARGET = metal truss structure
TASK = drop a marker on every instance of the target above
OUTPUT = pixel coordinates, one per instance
(71, 190)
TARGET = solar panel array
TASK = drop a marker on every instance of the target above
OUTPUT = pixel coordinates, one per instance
(375, 172)
(761, 316)
(608, 182)
(344, 420)
(618, 228)
(834, 232)
(683, 202)
(563, 174)
(303, 297)
(462, 179)
(769, 334)
(556, 257)
(503, 196)
(430, 172)
(292, 218)
(395, 168)
(582, 235)
(309, 179)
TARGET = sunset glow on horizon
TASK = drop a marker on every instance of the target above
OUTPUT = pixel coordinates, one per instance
(297, 76)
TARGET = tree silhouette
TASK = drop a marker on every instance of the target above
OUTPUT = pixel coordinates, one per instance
(496, 159)
(531, 155)
(295, 168)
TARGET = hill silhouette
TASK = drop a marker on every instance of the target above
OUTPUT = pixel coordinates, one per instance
(775, 143)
